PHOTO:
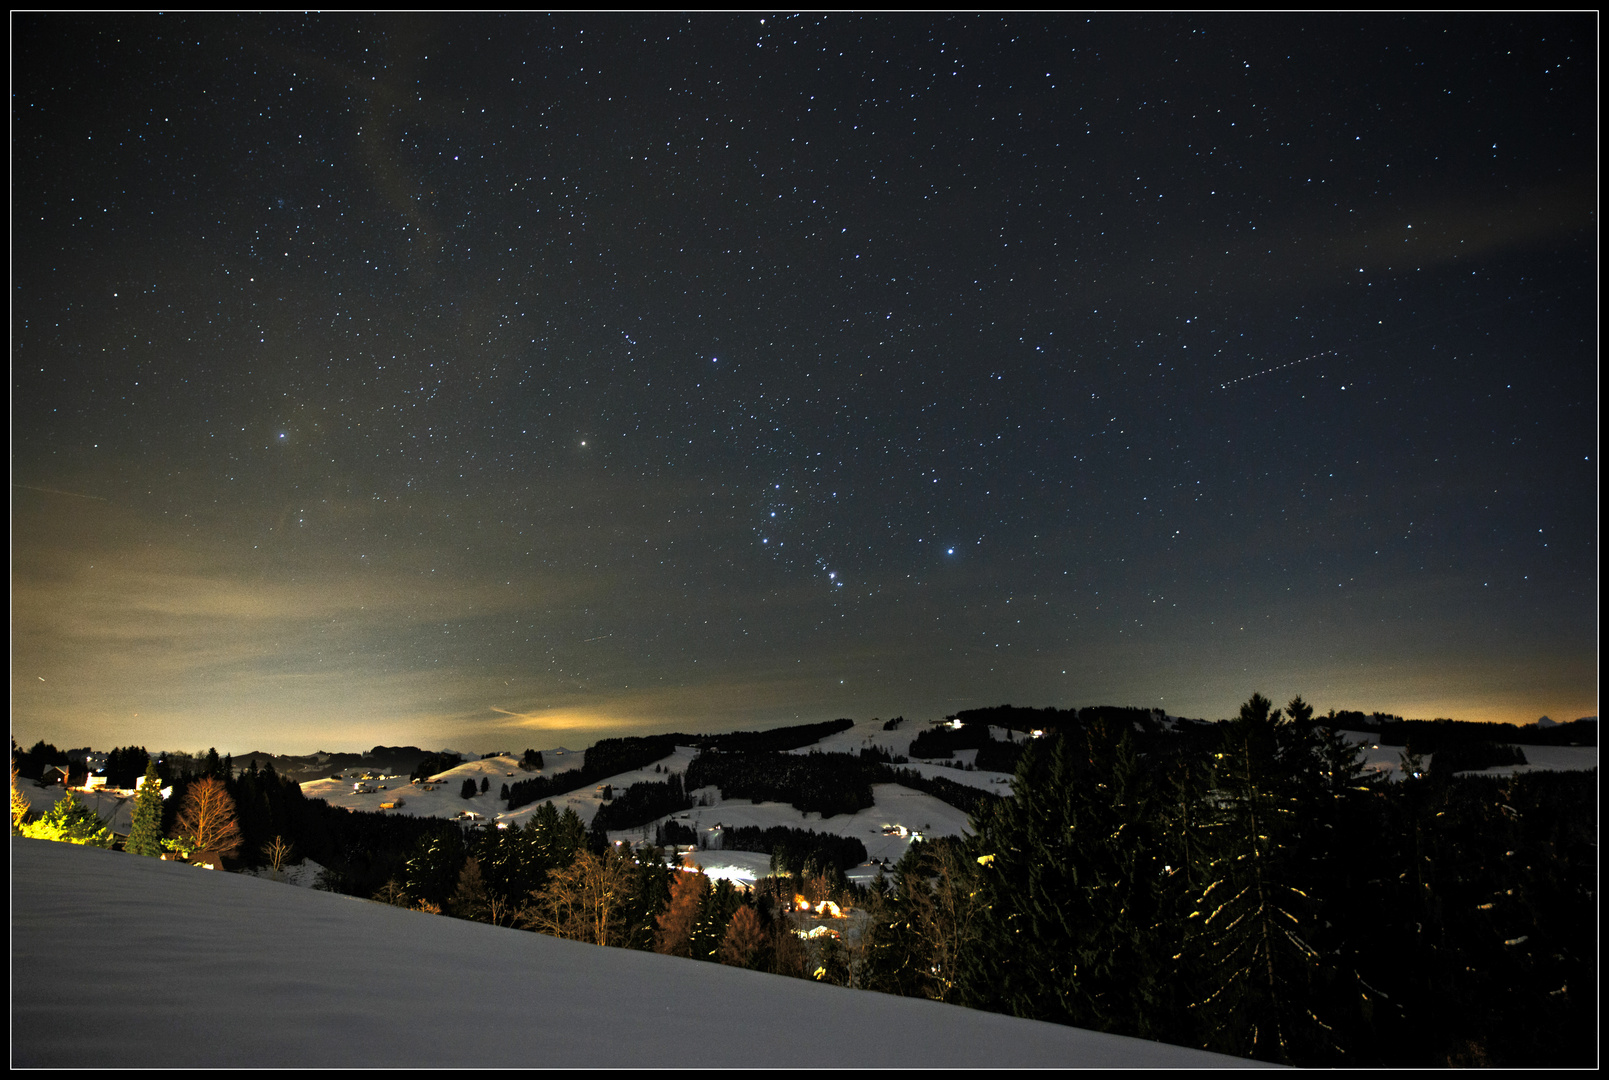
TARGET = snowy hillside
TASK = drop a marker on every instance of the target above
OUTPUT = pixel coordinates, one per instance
(887, 829)
(1387, 759)
(897, 806)
(123, 962)
(921, 815)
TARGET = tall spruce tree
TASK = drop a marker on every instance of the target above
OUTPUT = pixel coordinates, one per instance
(146, 836)
(650, 894)
(1257, 906)
(434, 864)
(922, 932)
(889, 952)
(718, 906)
(1072, 930)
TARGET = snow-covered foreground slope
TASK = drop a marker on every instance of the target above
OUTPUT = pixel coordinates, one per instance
(120, 961)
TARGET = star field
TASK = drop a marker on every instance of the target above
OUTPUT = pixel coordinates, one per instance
(437, 379)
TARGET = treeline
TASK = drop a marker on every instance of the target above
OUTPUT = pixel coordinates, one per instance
(961, 796)
(774, 741)
(433, 764)
(1433, 736)
(603, 759)
(997, 755)
(1465, 757)
(641, 803)
(994, 755)
(1248, 888)
(827, 784)
(32, 763)
(801, 852)
(509, 864)
(609, 757)
(1244, 887)
(943, 742)
(1020, 718)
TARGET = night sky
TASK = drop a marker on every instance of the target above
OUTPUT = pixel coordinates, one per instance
(493, 382)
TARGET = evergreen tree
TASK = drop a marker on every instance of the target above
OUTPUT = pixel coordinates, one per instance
(146, 836)
(720, 903)
(890, 949)
(1073, 930)
(831, 961)
(124, 766)
(649, 895)
(468, 790)
(471, 899)
(432, 869)
(20, 806)
(72, 822)
(918, 934)
(1257, 906)
(485, 785)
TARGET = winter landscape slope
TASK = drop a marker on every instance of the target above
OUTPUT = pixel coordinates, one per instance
(119, 961)
(897, 806)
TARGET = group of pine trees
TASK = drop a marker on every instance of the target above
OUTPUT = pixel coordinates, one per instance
(824, 783)
(1248, 888)
(556, 876)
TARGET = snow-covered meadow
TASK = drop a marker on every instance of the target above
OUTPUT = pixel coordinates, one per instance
(1388, 759)
(897, 808)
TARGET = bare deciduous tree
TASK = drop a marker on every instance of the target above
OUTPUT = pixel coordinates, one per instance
(278, 852)
(582, 901)
(208, 817)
